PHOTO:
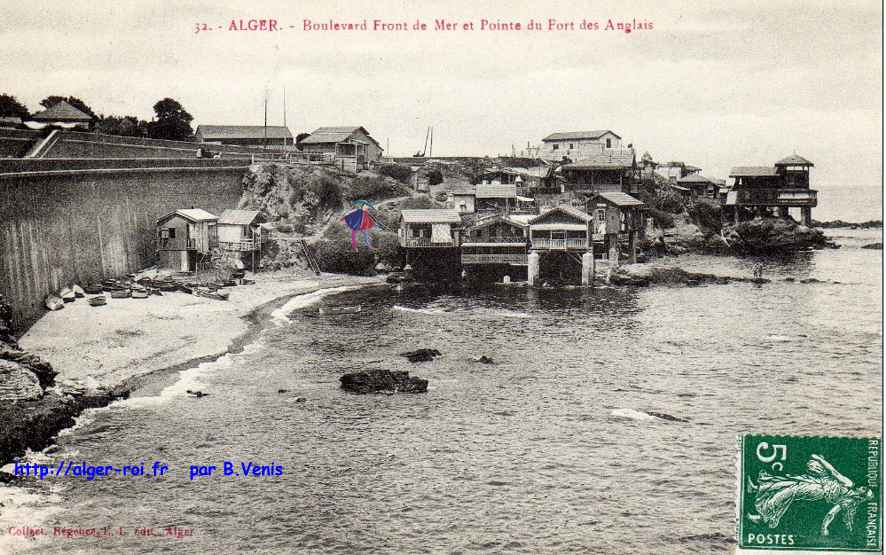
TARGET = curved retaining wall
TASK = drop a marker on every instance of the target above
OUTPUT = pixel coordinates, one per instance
(59, 227)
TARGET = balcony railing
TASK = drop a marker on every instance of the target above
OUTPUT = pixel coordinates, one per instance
(559, 244)
(423, 242)
(777, 197)
(246, 245)
(510, 258)
(516, 240)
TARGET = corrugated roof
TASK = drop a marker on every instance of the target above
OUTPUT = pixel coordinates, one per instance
(238, 217)
(496, 191)
(794, 160)
(621, 199)
(60, 112)
(221, 132)
(566, 209)
(539, 171)
(593, 134)
(610, 160)
(753, 171)
(431, 216)
(191, 214)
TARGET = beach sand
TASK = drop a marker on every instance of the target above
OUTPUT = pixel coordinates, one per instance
(116, 344)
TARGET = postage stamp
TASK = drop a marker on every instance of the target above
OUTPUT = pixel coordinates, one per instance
(811, 493)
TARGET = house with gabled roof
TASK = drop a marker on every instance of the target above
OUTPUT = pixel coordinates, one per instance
(244, 135)
(430, 228)
(782, 186)
(341, 142)
(563, 227)
(185, 238)
(578, 145)
(63, 114)
(610, 171)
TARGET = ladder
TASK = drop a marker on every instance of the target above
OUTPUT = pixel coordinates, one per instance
(309, 256)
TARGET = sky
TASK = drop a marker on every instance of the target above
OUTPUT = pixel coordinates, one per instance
(716, 85)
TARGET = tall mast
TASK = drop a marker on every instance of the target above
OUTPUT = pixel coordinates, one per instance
(284, 115)
(265, 136)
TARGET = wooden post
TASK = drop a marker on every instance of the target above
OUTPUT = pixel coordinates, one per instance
(532, 268)
(632, 244)
(613, 250)
(587, 268)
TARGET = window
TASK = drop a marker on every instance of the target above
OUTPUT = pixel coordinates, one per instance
(171, 232)
(608, 143)
(556, 146)
(570, 146)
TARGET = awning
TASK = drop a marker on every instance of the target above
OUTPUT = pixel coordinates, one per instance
(731, 198)
(558, 227)
(440, 233)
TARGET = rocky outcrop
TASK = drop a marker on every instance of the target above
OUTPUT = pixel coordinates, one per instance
(870, 224)
(773, 235)
(17, 383)
(873, 246)
(643, 275)
(421, 355)
(374, 381)
(10, 351)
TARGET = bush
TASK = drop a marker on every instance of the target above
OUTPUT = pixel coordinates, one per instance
(335, 254)
(435, 177)
(402, 174)
(372, 188)
(661, 218)
(327, 190)
(387, 247)
(705, 214)
(417, 203)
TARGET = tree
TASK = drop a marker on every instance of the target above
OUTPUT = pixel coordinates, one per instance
(52, 100)
(299, 138)
(127, 126)
(11, 107)
(172, 122)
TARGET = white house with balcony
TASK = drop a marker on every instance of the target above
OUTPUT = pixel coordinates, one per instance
(430, 228)
(578, 145)
(563, 228)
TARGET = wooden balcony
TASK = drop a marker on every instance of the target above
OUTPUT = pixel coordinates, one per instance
(515, 241)
(516, 259)
(424, 242)
(560, 244)
(239, 246)
(776, 197)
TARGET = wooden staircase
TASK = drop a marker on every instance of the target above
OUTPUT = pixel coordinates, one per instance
(309, 256)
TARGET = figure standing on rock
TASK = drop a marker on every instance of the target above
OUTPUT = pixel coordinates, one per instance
(5, 317)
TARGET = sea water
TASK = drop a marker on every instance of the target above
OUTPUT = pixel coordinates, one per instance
(551, 448)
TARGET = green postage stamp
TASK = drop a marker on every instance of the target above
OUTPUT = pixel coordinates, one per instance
(809, 493)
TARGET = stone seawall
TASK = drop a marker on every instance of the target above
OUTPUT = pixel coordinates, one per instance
(84, 225)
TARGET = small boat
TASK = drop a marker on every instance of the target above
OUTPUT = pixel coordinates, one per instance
(140, 294)
(245, 281)
(93, 289)
(67, 295)
(97, 301)
(209, 294)
(186, 288)
(341, 309)
(120, 294)
(54, 303)
(78, 291)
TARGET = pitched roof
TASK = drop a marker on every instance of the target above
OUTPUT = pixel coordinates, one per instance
(566, 209)
(238, 217)
(563, 136)
(325, 135)
(794, 160)
(496, 191)
(620, 199)
(610, 160)
(537, 171)
(221, 132)
(190, 214)
(463, 189)
(695, 178)
(431, 216)
(61, 111)
(498, 218)
(753, 171)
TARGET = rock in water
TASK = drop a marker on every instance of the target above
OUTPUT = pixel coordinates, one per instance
(484, 360)
(421, 355)
(17, 383)
(373, 381)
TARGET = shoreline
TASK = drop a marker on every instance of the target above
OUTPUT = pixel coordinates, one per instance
(56, 337)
